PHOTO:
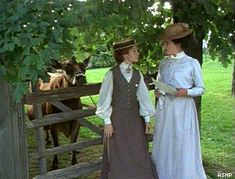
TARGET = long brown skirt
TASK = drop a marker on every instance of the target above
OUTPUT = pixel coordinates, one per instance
(128, 156)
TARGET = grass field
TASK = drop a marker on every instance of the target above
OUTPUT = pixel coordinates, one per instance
(217, 124)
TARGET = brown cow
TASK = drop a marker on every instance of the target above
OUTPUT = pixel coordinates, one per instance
(41, 86)
(73, 75)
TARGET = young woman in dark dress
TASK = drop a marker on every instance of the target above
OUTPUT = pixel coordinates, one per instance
(123, 102)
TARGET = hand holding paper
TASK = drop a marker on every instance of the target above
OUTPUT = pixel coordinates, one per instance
(164, 87)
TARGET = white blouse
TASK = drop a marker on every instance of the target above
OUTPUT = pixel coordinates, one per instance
(104, 108)
(182, 71)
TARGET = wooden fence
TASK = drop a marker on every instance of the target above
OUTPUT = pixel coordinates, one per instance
(53, 97)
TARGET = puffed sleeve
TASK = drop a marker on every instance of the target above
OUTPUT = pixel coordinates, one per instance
(104, 108)
(198, 88)
(146, 106)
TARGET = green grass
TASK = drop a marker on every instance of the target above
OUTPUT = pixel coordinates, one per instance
(96, 75)
(217, 124)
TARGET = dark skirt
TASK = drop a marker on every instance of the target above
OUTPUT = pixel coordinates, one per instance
(128, 156)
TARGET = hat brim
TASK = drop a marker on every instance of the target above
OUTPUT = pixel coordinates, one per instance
(176, 36)
(124, 47)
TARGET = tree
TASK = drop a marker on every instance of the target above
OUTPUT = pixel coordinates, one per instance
(32, 32)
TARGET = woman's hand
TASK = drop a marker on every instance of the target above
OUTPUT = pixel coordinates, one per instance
(147, 128)
(108, 130)
(182, 92)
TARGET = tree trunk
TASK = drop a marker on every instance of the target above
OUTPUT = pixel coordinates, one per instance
(195, 51)
(13, 150)
(195, 48)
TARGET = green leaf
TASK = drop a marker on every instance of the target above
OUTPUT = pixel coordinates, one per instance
(2, 70)
(19, 89)
(8, 47)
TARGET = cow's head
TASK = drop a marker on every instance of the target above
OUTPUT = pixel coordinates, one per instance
(74, 72)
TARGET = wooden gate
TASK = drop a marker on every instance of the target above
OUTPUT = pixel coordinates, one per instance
(53, 97)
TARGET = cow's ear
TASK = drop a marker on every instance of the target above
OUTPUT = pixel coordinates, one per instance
(86, 61)
(55, 64)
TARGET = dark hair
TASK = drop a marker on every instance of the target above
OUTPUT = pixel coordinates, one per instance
(184, 42)
(119, 54)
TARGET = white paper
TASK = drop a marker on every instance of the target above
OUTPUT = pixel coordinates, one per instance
(164, 87)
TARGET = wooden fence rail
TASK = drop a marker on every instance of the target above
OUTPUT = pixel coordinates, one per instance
(60, 117)
(72, 172)
(67, 148)
(61, 94)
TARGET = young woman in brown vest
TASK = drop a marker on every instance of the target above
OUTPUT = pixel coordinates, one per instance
(123, 99)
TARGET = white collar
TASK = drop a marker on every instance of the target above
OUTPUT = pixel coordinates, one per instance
(178, 55)
(124, 65)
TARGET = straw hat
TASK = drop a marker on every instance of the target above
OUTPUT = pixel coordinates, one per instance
(127, 43)
(176, 31)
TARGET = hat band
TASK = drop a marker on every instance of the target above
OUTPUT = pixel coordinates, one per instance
(177, 36)
(123, 47)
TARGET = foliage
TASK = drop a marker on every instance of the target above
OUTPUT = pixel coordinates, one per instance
(108, 21)
(32, 32)
(212, 20)
(102, 58)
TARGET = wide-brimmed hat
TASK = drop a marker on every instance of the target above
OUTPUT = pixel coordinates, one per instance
(176, 31)
(127, 43)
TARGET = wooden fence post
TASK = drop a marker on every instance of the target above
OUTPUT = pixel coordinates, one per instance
(13, 148)
(40, 141)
